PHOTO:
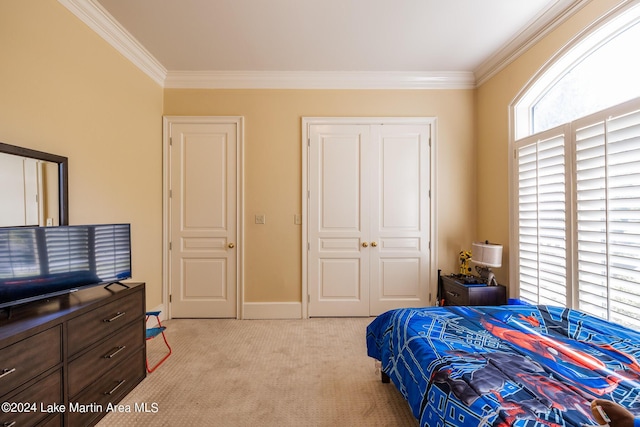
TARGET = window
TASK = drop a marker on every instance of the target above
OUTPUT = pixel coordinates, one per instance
(595, 72)
(582, 222)
(604, 77)
(577, 178)
(607, 220)
(542, 221)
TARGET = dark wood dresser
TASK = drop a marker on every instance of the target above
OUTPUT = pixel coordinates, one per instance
(64, 359)
(455, 292)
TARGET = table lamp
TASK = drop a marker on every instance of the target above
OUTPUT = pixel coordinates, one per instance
(486, 255)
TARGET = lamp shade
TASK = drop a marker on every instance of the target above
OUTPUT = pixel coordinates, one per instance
(486, 254)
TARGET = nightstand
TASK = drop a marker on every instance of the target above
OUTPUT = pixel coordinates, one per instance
(455, 292)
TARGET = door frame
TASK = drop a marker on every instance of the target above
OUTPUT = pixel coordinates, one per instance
(427, 121)
(167, 121)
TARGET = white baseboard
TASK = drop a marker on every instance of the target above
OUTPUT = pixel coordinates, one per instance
(272, 310)
(152, 321)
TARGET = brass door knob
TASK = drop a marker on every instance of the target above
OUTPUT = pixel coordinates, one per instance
(231, 246)
(374, 244)
(365, 245)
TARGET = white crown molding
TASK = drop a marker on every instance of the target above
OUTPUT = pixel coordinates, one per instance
(319, 80)
(99, 20)
(546, 21)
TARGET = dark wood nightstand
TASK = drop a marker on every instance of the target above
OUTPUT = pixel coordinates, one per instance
(454, 292)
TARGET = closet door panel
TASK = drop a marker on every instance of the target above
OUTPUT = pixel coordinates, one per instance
(338, 224)
(399, 217)
(368, 218)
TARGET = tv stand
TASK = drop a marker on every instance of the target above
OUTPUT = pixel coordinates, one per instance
(80, 350)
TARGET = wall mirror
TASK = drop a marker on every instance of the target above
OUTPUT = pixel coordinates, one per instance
(34, 188)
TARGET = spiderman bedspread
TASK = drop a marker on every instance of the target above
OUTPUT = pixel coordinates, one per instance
(516, 365)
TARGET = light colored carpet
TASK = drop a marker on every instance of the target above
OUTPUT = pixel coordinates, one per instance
(261, 373)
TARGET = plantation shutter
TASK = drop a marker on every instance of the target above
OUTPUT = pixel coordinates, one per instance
(608, 217)
(542, 222)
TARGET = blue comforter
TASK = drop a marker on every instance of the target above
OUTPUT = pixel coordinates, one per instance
(513, 365)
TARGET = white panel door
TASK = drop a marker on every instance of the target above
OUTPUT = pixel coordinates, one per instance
(338, 264)
(203, 228)
(368, 218)
(399, 217)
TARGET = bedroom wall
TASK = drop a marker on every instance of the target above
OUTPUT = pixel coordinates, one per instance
(273, 168)
(493, 100)
(64, 90)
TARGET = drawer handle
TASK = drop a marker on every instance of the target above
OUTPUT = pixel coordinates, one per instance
(116, 317)
(453, 294)
(113, 390)
(6, 372)
(118, 350)
(9, 424)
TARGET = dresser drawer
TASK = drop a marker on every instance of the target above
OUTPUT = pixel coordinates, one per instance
(488, 295)
(109, 388)
(41, 395)
(104, 356)
(52, 421)
(91, 327)
(30, 357)
(455, 294)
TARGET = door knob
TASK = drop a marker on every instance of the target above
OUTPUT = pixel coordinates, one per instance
(231, 246)
(374, 244)
(365, 245)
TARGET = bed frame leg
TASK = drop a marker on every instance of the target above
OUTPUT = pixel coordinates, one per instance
(385, 378)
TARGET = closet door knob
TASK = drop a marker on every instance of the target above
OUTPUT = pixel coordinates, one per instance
(374, 244)
(231, 246)
(365, 245)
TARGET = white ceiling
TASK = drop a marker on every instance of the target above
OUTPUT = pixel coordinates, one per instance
(433, 40)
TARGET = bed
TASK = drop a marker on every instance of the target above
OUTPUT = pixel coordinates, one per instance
(511, 365)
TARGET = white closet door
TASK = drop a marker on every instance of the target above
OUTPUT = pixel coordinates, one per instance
(399, 216)
(338, 264)
(368, 218)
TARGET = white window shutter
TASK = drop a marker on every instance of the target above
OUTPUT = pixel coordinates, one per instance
(542, 228)
(607, 154)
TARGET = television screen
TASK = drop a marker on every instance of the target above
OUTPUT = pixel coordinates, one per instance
(37, 262)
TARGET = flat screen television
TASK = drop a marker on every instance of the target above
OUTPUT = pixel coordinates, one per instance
(40, 262)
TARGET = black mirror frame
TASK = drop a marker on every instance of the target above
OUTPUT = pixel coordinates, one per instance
(63, 174)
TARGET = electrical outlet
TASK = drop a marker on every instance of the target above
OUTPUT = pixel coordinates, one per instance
(260, 219)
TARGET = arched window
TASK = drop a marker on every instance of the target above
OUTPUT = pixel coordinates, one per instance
(576, 177)
(599, 70)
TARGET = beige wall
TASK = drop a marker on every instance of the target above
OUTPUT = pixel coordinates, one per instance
(273, 168)
(493, 100)
(64, 90)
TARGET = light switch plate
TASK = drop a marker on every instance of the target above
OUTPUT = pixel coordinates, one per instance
(260, 219)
